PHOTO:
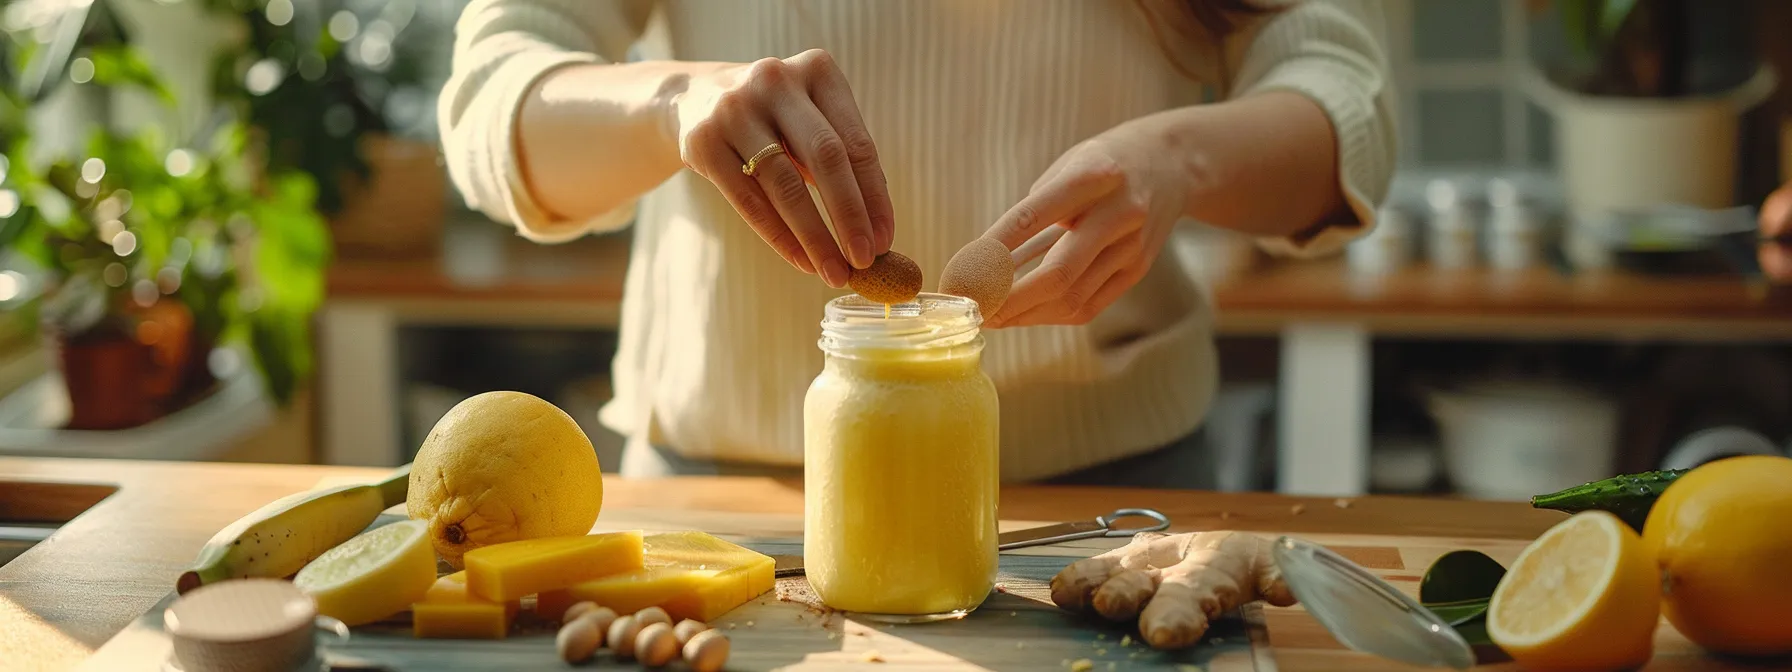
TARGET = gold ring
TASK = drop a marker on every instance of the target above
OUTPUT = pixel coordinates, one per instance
(753, 163)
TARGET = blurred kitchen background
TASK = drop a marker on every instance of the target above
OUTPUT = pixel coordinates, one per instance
(225, 234)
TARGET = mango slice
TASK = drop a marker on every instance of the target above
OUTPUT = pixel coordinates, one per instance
(450, 611)
(689, 574)
(508, 571)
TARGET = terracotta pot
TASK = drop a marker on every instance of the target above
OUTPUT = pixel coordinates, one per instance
(398, 211)
(107, 373)
(131, 369)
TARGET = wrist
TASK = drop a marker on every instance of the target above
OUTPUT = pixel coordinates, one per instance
(1192, 173)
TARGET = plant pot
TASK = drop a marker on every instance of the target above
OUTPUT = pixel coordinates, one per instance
(107, 372)
(398, 210)
(1621, 155)
(130, 369)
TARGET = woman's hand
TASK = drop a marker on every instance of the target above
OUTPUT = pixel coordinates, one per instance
(1776, 220)
(803, 103)
(1100, 214)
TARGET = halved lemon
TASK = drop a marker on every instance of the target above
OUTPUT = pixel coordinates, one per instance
(374, 575)
(1584, 596)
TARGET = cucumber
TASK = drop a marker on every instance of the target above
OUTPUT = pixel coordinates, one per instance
(1629, 496)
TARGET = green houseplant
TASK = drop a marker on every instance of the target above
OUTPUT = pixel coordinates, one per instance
(343, 89)
(154, 247)
(1647, 114)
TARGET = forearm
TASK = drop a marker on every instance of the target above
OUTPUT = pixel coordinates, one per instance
(591, 137)
(1265, 165)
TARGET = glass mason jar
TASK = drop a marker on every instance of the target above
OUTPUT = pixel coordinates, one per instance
(900, 461)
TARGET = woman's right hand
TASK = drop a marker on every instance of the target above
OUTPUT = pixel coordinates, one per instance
(728, 115)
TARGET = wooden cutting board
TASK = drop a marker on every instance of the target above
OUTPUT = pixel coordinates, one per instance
(1017, 629)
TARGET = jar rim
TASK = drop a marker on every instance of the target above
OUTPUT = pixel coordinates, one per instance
(929, 321)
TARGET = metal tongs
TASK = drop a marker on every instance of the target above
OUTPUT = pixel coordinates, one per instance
(1101, 526)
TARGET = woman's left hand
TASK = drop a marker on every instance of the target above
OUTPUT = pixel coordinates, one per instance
(1099, 214)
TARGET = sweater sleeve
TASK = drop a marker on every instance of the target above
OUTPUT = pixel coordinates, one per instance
(501, 48)
(1333, 52)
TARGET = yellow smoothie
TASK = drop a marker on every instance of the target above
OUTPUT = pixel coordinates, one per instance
(900, 472)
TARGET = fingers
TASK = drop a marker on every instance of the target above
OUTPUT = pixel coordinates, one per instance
(778, 178)
(1084, 300)
(1037, 246)
(818, 147)
(1067, 267)
(749, 200)
(1065, 195)
(833, 97)
(1776, 220)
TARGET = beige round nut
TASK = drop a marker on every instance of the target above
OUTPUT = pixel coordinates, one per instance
(707, 651)
(688, 628)
(600, 618)
(652, 615)
(577, 640)
(576, 610)
(622, 636)
(656, 645)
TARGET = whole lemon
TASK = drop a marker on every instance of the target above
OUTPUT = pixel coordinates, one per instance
(1723, 536)
(504, 466)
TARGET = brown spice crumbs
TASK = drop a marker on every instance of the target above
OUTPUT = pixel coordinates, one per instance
(1298, 508)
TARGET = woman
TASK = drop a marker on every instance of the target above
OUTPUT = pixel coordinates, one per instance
(921, 124)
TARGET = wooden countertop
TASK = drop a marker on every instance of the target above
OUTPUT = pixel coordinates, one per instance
(70, 594)
(488, 263)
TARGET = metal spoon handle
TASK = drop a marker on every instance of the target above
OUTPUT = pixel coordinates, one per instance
(1102, 526)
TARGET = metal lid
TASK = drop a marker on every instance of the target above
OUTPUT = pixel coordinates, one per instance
(1364, 612)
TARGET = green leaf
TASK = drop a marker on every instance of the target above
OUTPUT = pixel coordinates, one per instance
(1458, 587)
(1612, 14)
(1460, 576)
(117, 64)
(1475, 633)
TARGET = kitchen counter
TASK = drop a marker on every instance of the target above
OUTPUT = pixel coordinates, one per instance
(65, 598)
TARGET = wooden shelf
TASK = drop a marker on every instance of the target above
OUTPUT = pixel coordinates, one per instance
(487, 262)
(1534, 303)
(482, 264)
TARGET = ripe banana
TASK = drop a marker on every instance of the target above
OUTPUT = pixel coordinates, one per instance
(278, 539)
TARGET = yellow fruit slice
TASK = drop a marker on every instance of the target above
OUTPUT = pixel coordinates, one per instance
(1584, 596)
(374, 575)
(1723, 536)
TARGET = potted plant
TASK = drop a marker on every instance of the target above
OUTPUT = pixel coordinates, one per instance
(154, 248)
(1643, 119)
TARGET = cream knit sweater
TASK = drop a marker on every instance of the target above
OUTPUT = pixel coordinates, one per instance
(968, 101)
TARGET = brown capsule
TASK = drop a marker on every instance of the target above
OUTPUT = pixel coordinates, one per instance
(890, 279)
(656, 645)
(707, 651)
(982, 271)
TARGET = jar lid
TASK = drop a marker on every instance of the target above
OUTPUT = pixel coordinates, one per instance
(1365, 613)
(242, 625)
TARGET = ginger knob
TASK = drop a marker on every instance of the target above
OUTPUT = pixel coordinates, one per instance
(983, 272)
(889, 280)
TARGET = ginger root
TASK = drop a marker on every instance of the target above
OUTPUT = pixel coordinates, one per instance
(1175, 584)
